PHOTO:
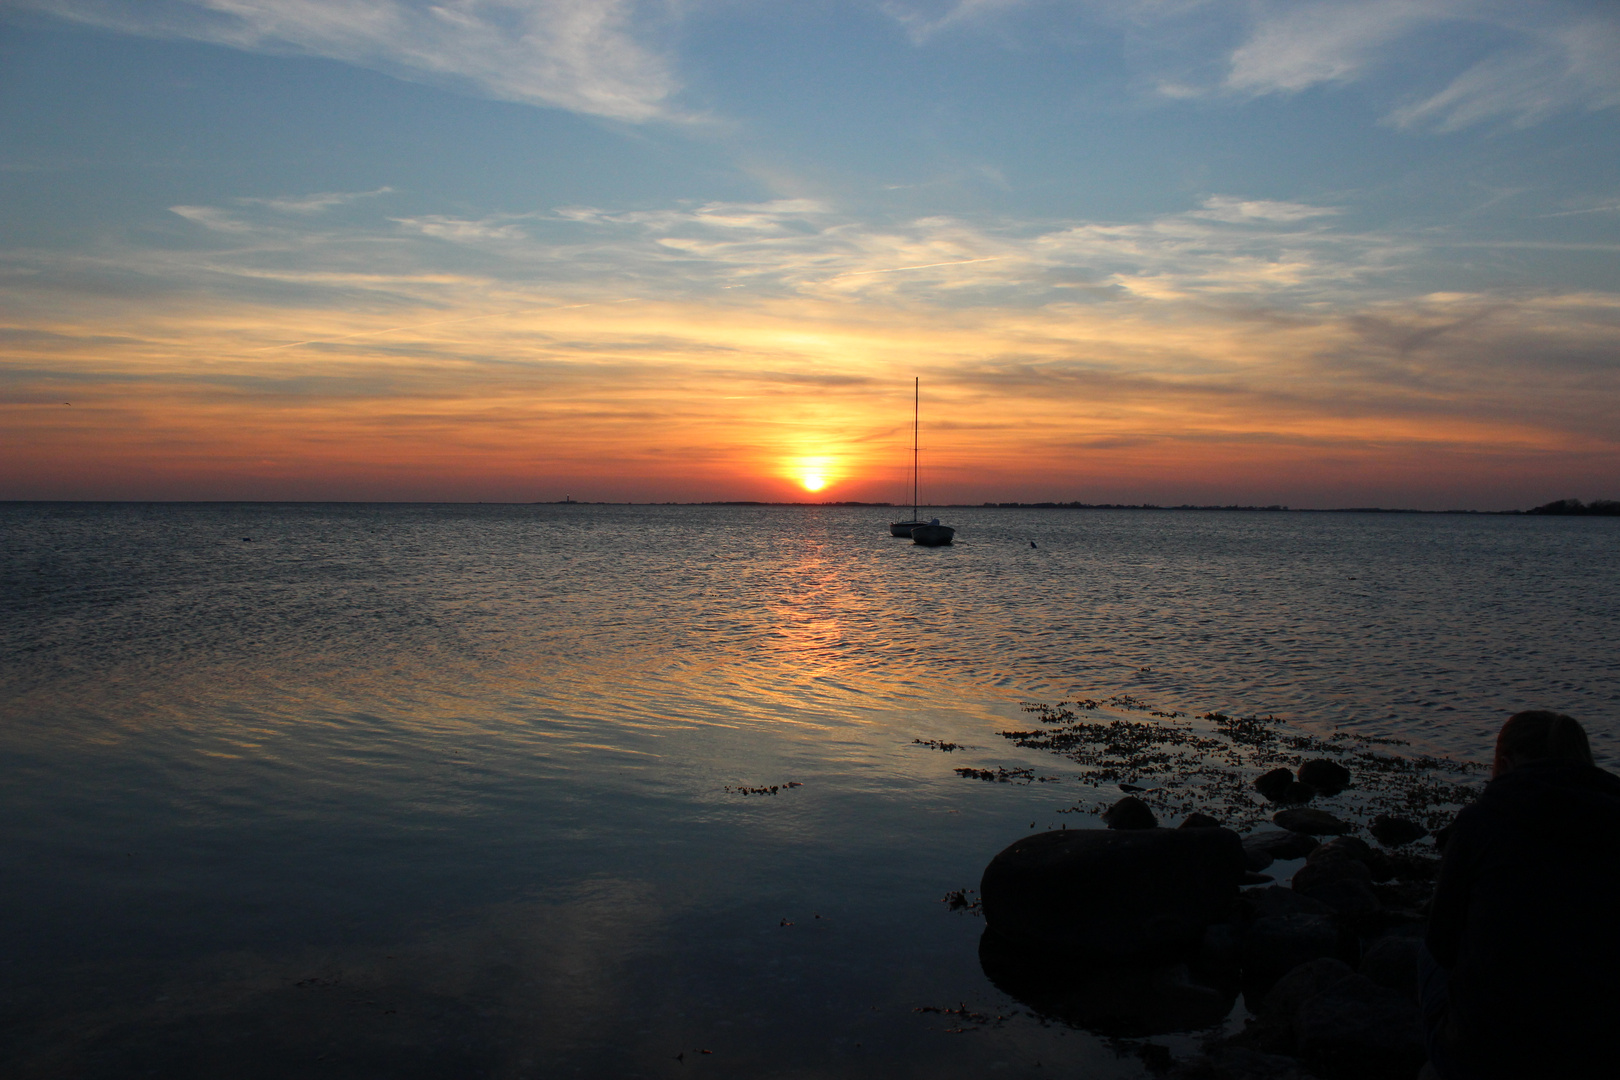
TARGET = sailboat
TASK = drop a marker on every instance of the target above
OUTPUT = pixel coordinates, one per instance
(927, 533)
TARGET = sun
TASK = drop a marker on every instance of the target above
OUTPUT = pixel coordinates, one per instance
(813, 481)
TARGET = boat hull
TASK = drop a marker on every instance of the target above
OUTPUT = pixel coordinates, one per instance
(903, 528)
(932, 535)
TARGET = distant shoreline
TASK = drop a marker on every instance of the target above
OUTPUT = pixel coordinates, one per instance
(1561, 508)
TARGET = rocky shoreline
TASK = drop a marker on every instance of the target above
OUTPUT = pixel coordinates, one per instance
(1138, 930)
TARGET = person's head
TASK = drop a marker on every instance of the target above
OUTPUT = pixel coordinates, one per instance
(1539, 735)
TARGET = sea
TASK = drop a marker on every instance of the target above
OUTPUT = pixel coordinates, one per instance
(324, 790)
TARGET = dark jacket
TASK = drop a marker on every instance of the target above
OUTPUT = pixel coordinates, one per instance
(1527, 917)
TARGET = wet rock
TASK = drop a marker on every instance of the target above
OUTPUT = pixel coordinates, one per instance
(1279, 1010)
(1325, 776)
(1273, 783)
(1130, 813)
(1113, 893)
(1392, 962)
(1276, 900)
(1357, 1028)
(1350, 848)
(1199, 821)
(1262, 848)
(1394, 831)
(1314, 822)
(1315, 874)
(1339, 848)
(1277, 944)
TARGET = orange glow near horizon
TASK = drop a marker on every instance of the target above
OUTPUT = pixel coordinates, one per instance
(693, 401)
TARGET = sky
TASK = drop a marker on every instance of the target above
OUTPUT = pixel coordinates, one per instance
(1318, 254)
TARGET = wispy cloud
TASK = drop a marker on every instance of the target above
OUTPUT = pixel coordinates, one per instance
(1532, 58)
(587, 56)
(1541, 57)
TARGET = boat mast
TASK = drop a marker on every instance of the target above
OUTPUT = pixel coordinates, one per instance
(916, 412)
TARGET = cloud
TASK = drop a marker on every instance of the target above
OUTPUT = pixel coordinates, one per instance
(1542, 57)
(922, 22)
(581, 55)
(1574, 65)
(1298, 45)
(1532, 59)
(1226, 208)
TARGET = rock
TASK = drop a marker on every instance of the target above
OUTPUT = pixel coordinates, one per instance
(1344, 886)
(1199, 821)
(1130, 813)
(1326, 776)
(1314, 822)
(1408, 866)
(1411, 897)
(1273, 783)
(1280, 1008)
(1394, 831)
(1347, 896)
(1276, 900)
(1262, 848)
(1357, 1028)
(1392, 962)
(1113, 893)
(1312, 875)
(1277, 944)
(1251, 877)
(1221, 947)
(1345, 848)
(1340, 847)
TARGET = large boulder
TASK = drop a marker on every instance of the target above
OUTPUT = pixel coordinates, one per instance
(1113, 893)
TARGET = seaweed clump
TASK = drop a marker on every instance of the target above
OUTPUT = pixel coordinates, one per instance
(1181, 765)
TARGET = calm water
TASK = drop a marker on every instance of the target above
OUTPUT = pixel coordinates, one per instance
(443, 791)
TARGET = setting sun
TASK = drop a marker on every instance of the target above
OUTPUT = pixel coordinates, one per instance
(814, 482)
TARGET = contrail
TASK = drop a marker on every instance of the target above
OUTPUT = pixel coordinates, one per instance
(439, 322)
(923, 266)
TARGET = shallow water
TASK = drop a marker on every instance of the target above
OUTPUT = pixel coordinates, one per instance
(443, 791)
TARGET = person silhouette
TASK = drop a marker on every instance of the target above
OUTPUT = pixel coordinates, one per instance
(1520, 976)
